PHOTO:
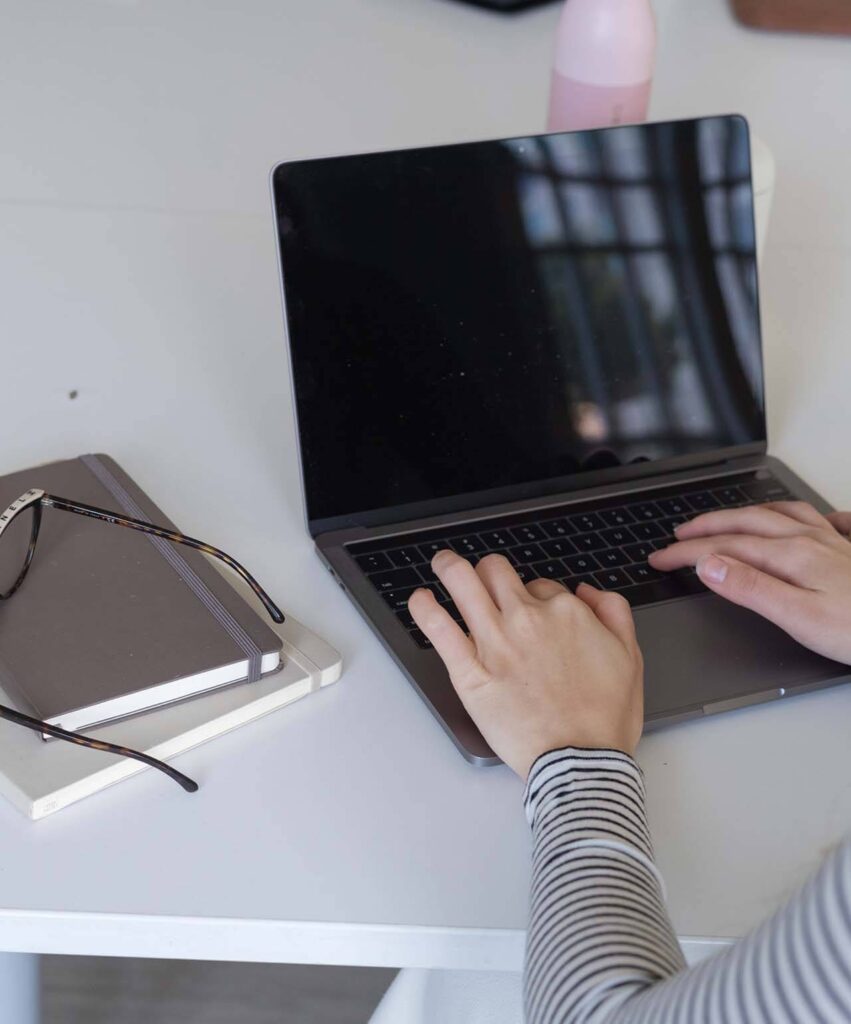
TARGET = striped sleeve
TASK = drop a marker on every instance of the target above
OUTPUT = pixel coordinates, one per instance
(601, 948)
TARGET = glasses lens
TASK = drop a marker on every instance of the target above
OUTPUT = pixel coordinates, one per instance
(14, 545)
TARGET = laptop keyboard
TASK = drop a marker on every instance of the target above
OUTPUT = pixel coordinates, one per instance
(604, 543)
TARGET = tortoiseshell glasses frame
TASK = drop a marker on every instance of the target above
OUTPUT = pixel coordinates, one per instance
(36, 500)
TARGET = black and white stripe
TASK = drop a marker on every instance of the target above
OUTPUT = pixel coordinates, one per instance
(601, 949)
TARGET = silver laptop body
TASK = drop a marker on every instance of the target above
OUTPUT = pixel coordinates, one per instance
(549, 347)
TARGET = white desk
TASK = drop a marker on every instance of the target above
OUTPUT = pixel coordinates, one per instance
(137, 268)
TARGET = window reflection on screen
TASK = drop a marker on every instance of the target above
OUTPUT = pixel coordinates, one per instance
(472, 317)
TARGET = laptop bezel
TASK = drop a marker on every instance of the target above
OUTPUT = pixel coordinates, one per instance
(567, 485)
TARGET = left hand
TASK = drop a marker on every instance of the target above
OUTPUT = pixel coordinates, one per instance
(542, 668)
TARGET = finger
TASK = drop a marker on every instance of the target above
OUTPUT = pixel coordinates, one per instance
(802, 511)
(841, 522)
(501, 581)
(779, 556)
(758, 521)
(744, 585)
(543, 590)
(449, 640)
(612, 610)
(465, 587)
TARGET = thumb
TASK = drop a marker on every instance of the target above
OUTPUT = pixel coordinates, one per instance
(775, 600)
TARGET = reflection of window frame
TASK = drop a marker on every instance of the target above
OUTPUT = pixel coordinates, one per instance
(660, 186)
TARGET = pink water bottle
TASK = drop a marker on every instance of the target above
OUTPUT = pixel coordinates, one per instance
(603, 66)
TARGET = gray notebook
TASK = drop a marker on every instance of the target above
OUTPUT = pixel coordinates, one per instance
(110, 622)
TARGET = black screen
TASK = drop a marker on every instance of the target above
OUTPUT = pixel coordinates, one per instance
(479, 316)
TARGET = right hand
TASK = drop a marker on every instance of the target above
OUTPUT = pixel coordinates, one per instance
(784, 560)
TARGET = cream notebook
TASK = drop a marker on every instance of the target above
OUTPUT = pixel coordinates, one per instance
(40, 778)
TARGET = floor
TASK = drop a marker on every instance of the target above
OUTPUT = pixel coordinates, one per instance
(92, 990)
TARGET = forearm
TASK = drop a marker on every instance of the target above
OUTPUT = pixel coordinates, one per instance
(601, 949)
(599, 930)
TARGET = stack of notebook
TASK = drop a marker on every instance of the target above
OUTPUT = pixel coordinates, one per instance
(138, 643)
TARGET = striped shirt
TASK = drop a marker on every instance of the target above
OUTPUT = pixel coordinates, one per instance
(601, 949)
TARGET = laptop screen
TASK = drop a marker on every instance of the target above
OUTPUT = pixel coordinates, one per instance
(490, 315)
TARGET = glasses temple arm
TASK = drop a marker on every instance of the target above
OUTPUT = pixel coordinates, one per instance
(84, 741)
(174, 536)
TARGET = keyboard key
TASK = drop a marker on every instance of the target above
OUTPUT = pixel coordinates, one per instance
(673, 506)
(430, 549)
(643, 574)
(421, 640)
(588, 542)
(395, 579)
(640, 552)
(703, 501)
(573, 582)
(646, 510)
(730, 496)
(467, 545)
(374, 562)
(612, 558)
(552, 570)
(398, 599)
(587, 521)
(612, 579)
(647, 531)
(526, 573)
(617, 537)
(616, 517)
(579, 565)
(527, 533)
(427, 573)
(528, 553)
(405, 617)
(502, 551)
(669, 525)
(494, 540)
(405, 556)
(558, 548)
(557, 528)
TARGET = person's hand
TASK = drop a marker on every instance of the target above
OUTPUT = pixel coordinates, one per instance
(784, 560)
(542, 668)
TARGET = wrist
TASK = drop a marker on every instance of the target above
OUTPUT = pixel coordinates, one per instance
(564, 752)
(613, 745)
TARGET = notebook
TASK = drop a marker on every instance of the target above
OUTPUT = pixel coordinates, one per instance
(41, 778)
(109, 621)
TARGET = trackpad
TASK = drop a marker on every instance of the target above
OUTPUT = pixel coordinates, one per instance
(703, 649)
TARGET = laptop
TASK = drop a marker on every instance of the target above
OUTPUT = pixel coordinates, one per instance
(548, 347)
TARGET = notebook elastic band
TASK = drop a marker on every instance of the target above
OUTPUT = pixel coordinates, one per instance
(176, 560)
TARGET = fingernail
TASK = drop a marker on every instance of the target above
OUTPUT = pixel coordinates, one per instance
(712, 568)
(441, 556)
(679, 527)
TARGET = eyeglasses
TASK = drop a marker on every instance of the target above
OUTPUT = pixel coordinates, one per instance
(30, 506)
